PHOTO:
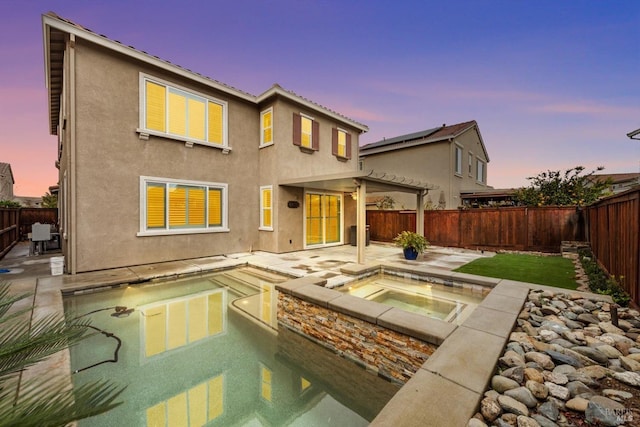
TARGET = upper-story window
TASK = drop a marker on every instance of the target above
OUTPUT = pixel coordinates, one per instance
(458, 160)
(173, 112)
(306, 132)
(480, 171)
(470, 164)
(266, 127)
(341, 143)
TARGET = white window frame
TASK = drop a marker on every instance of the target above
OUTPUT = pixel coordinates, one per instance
(457, 159)
(343, 131)
(302, 117)
(224, 227)
(324, 233)
(262, 113)
(481, 168)
(262, 226)
(470, 166)
(144, 133)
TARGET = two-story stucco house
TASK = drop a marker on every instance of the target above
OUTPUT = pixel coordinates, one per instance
(158, 163)
(453, 159)
(6, 182)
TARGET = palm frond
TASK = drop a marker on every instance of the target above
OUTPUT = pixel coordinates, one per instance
(7, 300)
(49, 401)
(52, 403)
(21, 346)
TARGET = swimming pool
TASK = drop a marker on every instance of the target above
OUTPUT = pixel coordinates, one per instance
(439, 301)
(205, 350)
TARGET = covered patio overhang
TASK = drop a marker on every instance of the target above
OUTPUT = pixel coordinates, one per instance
(362, 183)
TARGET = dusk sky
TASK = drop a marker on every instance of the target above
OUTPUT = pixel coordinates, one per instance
(552, 84)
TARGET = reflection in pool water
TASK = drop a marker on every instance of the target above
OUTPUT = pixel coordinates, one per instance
(192, 355)
(448, 303)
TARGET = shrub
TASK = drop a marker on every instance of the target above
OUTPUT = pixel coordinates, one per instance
(601, 282)
(409, 239)
(9, 204)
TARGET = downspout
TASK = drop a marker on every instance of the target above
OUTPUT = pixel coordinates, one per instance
(73, 205)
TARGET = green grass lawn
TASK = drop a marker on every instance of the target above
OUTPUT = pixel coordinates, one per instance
(544, 270)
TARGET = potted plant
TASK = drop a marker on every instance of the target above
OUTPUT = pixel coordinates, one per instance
(411, 243)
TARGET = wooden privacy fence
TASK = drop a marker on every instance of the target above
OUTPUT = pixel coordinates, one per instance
(514, 228)
(15, 224)
(9, 231)
(613, 232)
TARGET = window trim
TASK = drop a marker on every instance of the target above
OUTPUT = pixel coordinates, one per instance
(262, 209)
(311, 139)
(457, 161)
(324, 237)
(297, 133)
(143, 231)
(144, 133)
(335, 143)
(470, 158)
(481, 179)
(262, 113)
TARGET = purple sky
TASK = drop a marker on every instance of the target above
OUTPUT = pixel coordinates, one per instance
(552, 84)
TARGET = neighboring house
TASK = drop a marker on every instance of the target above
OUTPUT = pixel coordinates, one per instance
(158, 163)
(619, 181)
(489, 198)
(29, 202)
(452, 159)
(6, 182)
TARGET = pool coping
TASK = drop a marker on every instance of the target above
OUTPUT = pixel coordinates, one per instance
(440, 393)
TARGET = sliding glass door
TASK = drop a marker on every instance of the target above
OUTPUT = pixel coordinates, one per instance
(323, 219)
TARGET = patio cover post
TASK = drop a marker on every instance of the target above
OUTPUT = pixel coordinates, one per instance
(420, 213)
(361, 221)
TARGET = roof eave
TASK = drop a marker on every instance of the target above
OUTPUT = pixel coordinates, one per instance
(634, 134)
(401, 146)
(277, 90)
(53, 22)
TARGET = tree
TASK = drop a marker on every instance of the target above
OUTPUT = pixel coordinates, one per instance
(385, 202)
(50, 200)
(43, 401)
(571, 188)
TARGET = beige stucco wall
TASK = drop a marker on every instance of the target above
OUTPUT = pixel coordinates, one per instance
(111, 158)
(6, 182)
(104, 158)
(433, 163)
(283, 160)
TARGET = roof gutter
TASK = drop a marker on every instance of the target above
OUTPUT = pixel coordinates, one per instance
(50, 21)
(277, 90)
(61, 25)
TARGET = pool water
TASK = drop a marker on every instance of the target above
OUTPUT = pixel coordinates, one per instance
(448, 303)
(206, 351)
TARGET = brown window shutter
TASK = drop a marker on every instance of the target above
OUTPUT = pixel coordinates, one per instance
(315, 135)
(334, 141)
(348, 148)
(297, 129)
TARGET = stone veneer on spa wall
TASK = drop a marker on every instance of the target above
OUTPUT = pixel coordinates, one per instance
(391, 355)
(383, 339)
